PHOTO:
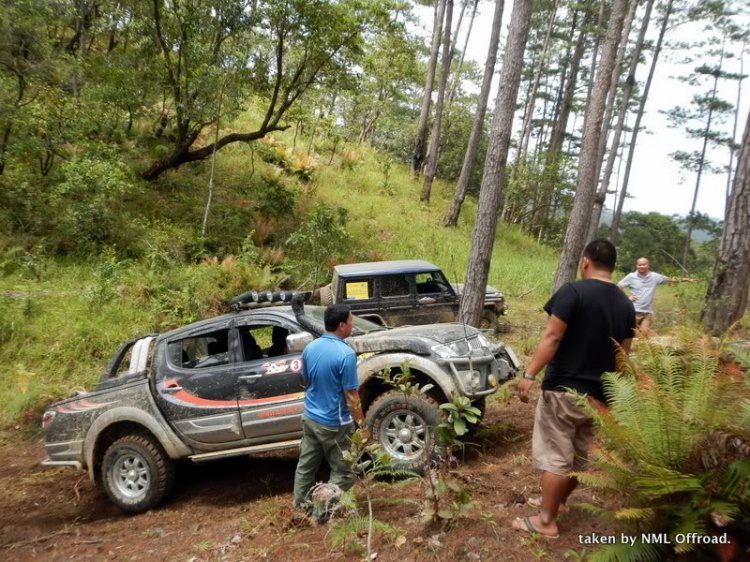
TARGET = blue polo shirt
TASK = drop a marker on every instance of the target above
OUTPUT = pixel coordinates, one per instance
(329, 367)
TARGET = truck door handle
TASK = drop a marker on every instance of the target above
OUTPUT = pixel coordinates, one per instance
(426, 300)
(249, 378)
(171, 389)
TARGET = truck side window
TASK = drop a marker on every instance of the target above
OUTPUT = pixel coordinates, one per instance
(199, 352)
(430, 283)
(394, 286)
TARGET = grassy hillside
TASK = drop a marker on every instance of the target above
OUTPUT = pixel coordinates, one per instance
(64, 316)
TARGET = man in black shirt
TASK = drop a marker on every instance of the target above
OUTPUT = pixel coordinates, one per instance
(586, 318)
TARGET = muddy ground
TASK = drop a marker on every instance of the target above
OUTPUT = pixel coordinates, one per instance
(238, 509)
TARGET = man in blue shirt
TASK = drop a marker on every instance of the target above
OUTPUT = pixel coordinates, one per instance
(329, 372)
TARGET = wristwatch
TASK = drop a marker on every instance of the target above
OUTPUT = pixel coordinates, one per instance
(528, 377)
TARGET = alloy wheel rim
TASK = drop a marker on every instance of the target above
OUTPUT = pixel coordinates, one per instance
(403, 435)
(131, 476)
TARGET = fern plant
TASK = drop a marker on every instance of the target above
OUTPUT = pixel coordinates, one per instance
(674, 445)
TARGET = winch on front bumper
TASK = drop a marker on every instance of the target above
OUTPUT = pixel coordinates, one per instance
(479, 374)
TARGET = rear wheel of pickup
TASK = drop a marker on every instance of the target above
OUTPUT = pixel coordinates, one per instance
(137, 473)
(405, 428)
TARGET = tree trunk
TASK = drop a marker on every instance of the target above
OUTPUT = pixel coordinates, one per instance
(575, 235)
(726, 299)
(445, 68)
(637, 126)
(529, 113)
(483, 237)
(561, 123)
(4, 146)
(701, 163)
(424, 115)
(457, 75)
(734, 127)
(451, 218)
(627, 89)
(612, 93)
(594, 61)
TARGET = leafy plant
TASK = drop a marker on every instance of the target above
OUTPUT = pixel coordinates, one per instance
(460, 413)
(404, 381)
(675, 438)
(446, 501)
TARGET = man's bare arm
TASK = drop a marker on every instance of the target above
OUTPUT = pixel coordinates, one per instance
(548, 344)
(355, 407)
(626, 345)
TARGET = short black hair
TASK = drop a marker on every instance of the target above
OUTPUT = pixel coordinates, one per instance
(336, 314)
(602, 254)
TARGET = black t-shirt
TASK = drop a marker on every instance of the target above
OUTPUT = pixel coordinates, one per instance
(596, 313)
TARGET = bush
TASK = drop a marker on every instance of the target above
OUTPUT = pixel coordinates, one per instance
(88, 202)
(676, 440)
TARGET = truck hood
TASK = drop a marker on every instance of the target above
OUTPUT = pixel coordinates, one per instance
(490, 292)
(417, 339)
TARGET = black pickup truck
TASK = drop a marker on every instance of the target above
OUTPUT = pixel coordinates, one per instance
(405, 292)
(231, 386)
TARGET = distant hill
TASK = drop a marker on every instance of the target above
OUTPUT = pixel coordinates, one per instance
(698, 235)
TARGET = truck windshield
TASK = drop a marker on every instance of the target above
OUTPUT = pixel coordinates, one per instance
(361, 326)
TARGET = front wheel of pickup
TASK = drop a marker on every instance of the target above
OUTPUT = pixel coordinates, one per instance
(136, 472)
(405, 428)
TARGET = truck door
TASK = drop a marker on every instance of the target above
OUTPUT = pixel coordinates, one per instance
(269, 387)
(436, 300)
(197, 386)
(397, 299)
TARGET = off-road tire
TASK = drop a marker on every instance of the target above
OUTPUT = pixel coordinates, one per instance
(392, 409)
(326, 295)
(488, 320)
(137, 473)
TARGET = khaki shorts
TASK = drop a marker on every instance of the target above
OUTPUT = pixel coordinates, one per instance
(563, 433)
(643, 321)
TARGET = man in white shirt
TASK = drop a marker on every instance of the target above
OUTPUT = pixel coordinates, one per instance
(642, 284)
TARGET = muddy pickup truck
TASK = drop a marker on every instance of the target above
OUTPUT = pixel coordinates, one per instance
(405, 292)
(231, 386)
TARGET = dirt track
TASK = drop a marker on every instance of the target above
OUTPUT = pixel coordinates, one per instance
(238, 509)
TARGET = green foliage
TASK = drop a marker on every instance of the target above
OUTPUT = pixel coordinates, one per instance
(446, 501)
(322, 236)
(460, 415)
(404, 381)
(674, 438)
(653, 235)
(345, 533)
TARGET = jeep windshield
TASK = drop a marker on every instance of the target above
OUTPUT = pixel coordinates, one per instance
(361, 326)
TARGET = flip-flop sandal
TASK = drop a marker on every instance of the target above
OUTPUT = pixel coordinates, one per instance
(531, 529)
(537, 503)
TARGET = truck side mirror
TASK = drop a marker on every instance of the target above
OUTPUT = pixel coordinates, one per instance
(295, 343)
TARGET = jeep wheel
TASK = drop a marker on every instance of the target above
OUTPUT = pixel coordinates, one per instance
(137, 473)
(405, 428)
(488, 320)
(326, 295)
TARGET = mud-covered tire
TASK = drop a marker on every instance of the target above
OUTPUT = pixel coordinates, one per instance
(405, 428)
(137, 473)
(488, 320)
(326, 295)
